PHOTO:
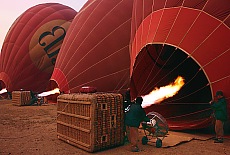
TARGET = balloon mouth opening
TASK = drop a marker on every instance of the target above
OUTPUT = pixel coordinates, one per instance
(158, 65)
(3, 88)
(52, 92)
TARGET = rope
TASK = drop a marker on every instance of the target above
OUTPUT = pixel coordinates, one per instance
(189, 114)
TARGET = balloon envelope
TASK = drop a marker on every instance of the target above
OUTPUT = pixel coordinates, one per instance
(95, 51)
(32, 44)
(186, 38)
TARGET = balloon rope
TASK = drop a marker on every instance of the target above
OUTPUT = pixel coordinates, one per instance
(189, 114)
(220, 79)
(122, 85)
(88, 36)
(80, 44)
(99, 78)
(174, 50)
(198, 122)
(163, 47)
(143, 86)
(185, 96)
(120, 50)
(216, 58)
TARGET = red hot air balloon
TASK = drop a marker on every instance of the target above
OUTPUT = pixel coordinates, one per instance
(95, 51)
(32, 44)
(186, 38)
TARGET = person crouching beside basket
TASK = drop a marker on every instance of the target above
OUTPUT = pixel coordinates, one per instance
(133, 117)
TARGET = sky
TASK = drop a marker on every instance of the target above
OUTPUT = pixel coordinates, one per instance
(10, 10)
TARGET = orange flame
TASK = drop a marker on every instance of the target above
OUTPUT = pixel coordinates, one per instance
(51, 92)
(159, 94)
(3, 91)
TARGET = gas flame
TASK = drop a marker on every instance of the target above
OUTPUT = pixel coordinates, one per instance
(3, 91)
(51, 92)
(159, 94)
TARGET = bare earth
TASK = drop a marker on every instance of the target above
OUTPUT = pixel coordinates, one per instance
(31, 130)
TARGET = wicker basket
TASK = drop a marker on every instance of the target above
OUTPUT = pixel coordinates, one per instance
(91, 122)
(21, 98)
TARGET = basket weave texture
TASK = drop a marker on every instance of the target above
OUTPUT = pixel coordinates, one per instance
(21, 98)
(92, 121)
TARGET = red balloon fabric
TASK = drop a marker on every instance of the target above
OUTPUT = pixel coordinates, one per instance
(187, 38)
(115, 45)
(95, 51)
(31, 46)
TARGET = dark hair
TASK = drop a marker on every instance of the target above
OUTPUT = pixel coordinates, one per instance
(139, 100)
(219, 93)
(127, 92)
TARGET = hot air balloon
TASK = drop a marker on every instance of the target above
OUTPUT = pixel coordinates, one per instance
(31, 46)
(95, 51)
(185, 38)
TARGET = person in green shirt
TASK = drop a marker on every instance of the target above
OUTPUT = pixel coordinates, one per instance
(219, 106)
(133, 117)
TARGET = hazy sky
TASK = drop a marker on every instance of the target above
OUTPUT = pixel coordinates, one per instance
(11, 9)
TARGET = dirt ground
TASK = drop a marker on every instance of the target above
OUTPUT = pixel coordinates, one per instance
(31, 130)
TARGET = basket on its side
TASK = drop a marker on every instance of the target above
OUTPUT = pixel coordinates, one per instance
(92, 121)
(21, 98)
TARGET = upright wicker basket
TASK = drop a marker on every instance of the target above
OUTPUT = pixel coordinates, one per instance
(21, 98)
(92, 121)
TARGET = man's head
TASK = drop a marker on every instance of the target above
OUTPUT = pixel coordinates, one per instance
(127, 94)
(139, 100)
(219, 94)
